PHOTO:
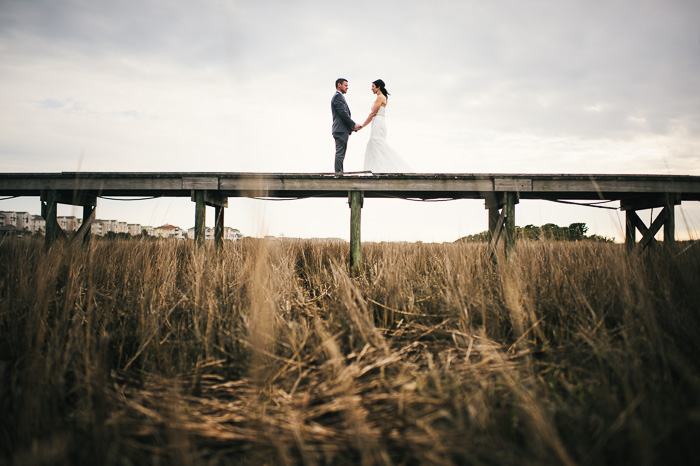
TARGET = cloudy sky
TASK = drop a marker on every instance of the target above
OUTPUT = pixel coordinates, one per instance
(476, 87)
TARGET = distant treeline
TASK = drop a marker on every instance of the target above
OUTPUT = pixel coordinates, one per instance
(550, 231)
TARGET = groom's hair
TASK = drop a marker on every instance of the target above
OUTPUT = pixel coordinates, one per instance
(339, 81)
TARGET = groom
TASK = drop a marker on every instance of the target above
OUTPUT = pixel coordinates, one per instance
(342, 123)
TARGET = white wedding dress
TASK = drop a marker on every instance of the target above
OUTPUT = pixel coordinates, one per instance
(379, 156)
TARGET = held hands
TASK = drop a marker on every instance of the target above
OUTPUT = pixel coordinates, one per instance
(357, 127)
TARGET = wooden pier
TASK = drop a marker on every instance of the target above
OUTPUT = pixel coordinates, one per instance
(500, 192)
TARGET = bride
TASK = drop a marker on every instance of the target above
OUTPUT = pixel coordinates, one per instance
(379, 156)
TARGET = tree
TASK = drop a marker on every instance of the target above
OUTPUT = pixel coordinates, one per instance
(548, 231)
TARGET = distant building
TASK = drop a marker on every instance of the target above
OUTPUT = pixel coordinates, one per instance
(24, 221)
(20, 220)
(97, 228)
(37, 224)
(231, 234)
(69, 223)
(8, 218)
(109, 226)
(168, 231)
(134, 229)
(101, 227)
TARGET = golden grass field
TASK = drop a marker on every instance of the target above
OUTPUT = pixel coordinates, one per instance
(133, 352)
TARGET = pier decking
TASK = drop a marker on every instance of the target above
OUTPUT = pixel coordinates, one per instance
(500, 192)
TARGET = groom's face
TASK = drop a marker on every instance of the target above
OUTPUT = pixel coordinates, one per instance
(343, 87)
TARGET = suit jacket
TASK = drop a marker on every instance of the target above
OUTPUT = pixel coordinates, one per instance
(342, 123)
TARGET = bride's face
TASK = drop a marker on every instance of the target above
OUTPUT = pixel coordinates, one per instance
(374, 88)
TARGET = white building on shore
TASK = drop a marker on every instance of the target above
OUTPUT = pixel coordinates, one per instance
(231, 234)
(24, 221)
(169, 231)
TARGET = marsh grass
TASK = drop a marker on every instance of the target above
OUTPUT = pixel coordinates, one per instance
(134, 352)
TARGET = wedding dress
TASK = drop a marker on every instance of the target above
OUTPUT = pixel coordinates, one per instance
(379, 156)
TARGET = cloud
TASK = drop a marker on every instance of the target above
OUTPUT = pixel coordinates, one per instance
(245, 86)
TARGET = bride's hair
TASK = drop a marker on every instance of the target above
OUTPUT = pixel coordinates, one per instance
(380, 84)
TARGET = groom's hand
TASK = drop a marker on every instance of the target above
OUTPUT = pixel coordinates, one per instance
(357, 127)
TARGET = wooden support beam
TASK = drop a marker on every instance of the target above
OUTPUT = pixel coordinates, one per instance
(494, 214)
(199, 219)
(48, 211)
(648, 235)
(650, 201)
(219, 227)
(630, 230)
(670, 224)
(634, 222)
(356, 202)
(75, 198)
(49, 202)
(501, 207)
(666, 219)
(496, 232)
(85, 228)
(510, 222)
(211, 198)
(494, 200)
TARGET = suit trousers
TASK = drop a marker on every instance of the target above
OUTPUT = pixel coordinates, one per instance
(341, 145)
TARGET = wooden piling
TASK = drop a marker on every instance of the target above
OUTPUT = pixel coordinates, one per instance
(511, 199)
(494, 214)
(50, 216)
(355, 228)
(219, 227)
(86, 227)
(199, 219)
(630, 231)
(670, 224)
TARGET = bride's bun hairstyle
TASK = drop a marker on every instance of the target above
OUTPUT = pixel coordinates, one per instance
(380, 84)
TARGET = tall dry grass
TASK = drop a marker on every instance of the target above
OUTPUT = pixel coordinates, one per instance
(139, 352)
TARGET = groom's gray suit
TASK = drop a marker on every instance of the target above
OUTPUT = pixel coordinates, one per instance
(342, 127)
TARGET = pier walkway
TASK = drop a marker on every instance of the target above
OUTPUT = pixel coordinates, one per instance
(500, 192)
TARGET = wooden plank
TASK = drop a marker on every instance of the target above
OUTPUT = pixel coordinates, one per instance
(209, 183)
(354, 184)
(630, 185)
(512, 184)
(98, 185)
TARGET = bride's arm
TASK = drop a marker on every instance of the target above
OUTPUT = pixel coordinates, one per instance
(375, 109)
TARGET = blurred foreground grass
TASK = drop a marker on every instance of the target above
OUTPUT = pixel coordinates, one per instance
(130, 352)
